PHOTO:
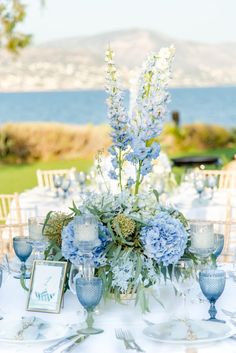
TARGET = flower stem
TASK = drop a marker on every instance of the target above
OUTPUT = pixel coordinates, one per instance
(138, 181)
(120, 169)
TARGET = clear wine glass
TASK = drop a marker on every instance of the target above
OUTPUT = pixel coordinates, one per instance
(89, 293)
(212, 283)
(183, 278)
(23, 250)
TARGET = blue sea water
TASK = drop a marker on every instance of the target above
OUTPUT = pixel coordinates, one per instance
(208, 105)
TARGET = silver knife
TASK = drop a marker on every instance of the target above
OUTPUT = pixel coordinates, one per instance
(60, 343)
(74, 345)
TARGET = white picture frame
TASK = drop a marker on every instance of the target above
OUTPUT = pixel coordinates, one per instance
(47, 286)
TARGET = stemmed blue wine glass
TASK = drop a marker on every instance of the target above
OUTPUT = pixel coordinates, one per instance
(211, 183)
(89, 293)
(212, 283)
(57, 181)
(81, 179)
(219, 245)
(65, 187)
(23, 250)
(199, 185)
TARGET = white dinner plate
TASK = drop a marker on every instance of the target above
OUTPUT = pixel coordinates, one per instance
(34, 331)
(189, 332)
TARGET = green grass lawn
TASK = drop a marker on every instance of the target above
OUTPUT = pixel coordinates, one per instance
(16, 178)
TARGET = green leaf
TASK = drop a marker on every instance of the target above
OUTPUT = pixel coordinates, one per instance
(58, 256)
(46, 220)
(139, 265)
(117, 253)
(74, 209)
(155, 192)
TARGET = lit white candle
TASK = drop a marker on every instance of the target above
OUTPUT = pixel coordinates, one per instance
(202, 239)
(35, 231)
(36, 227)
(86, 232)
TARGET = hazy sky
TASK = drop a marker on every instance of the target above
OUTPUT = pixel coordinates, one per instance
(201, 20)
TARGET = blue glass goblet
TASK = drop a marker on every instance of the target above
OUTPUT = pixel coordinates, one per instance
(212, 283)
(89, 293)
(23, 250)
(219, 245)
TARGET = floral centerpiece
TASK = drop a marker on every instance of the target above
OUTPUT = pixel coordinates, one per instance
(139, 237)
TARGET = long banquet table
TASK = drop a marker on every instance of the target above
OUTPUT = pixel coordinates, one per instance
(110, 316)
(184, 199)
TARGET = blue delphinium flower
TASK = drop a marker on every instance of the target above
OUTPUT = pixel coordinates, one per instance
(132, 137)
(164, 239)
(117, 116)
(70, 249)
(149, 113)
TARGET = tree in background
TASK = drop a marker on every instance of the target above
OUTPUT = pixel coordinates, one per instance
(12, 13)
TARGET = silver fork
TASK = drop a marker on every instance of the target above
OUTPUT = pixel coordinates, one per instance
(129, 340)
(120, 336)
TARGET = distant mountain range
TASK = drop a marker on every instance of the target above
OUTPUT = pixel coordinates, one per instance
(78, 63)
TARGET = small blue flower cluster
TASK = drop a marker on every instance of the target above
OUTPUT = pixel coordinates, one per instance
(141, 153)
(164, 239)
(70, 249)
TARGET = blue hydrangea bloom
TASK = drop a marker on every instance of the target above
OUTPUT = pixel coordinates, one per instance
(70, 249)
(164, 239)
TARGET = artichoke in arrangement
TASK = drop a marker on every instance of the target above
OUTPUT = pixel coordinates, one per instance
(125, 224)
(54, 225)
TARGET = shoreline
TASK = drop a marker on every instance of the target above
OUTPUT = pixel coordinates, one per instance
(101, 89)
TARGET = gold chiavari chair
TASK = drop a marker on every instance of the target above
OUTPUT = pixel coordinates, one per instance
(6, 200)
(45, 177)
(7, 233)
(226, 178)
(231, 166)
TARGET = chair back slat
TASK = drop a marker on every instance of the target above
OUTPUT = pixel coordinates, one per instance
(6, 200)
(7, 233)
(226, 178)
(45, 177)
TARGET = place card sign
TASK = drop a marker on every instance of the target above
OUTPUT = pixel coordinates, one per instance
(47, 286)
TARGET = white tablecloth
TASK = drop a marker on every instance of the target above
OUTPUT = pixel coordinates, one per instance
(38, 201)
(111, 316)
(187, 201)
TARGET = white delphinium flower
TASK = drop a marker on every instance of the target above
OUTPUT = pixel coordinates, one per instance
(152, 274)
(123, 270)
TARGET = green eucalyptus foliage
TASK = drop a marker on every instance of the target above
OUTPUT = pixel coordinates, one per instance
(12, 13)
